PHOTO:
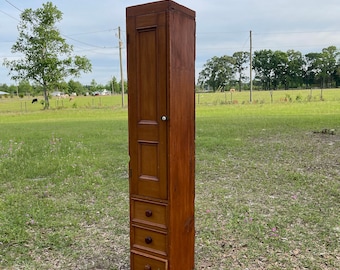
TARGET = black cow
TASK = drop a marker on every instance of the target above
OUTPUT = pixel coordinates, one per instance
(34, 100)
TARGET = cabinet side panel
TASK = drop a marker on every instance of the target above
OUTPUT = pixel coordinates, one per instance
(182, 139)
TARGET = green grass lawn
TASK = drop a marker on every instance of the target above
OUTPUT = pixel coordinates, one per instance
(267, 184)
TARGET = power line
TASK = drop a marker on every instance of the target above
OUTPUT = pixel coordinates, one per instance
(94, 32)
(221, 32)
(13, 5)
(85, 43)
(296, 32)
(9, 15)
(68, 36)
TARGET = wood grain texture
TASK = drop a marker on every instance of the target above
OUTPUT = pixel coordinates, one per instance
(161, 76)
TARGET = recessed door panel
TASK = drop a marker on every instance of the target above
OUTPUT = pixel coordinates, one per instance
(147, 93)
(148, 152)
(147, 67)
(149, 172)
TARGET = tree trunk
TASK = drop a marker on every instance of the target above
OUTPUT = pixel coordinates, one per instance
(46, 102)
(240, 80)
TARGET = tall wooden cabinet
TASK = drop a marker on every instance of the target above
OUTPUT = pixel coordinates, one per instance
(161, 82)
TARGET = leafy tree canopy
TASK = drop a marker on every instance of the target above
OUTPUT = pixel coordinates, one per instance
(47, 58)
(274, 69)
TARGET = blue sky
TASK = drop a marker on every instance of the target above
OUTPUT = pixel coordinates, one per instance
(222, 28)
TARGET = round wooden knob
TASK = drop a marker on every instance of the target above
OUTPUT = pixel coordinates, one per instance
(148, 213)
(147, 267)
(148, 240)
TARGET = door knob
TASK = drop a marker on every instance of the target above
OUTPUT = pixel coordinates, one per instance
(148, 240)
(164, 118)
(148, 213)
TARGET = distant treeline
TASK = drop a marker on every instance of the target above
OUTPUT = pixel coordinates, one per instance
(273, 70)
(24, 88)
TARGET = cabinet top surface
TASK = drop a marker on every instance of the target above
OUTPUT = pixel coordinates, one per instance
(160, 6)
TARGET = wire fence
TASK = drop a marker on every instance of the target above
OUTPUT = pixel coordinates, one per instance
(265, 97)
(31, 104)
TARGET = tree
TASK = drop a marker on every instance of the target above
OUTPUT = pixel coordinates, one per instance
(113, 85)
(4, 87)
(94, 85)
(240, 59)
(337, 75)
(217, 72)
(13, 90)
(322, 67)
(278, 69)
(47, 57)
(328, 65)
(62, 87)
(279, 64)
(312, 68)
(263, 66)
(75, 87)
(24, 88)
(295, 68)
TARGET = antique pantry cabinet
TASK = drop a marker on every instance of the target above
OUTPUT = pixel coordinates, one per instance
(161, 81)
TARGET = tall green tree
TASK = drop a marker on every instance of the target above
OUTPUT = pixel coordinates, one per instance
(24, 88)
(278, 69)
(4, 87)
(312, 68)
(322, 67)
(75, 87)
(47, 58)
(263, 66)
(328, 65)
(279, 65)
(295, 69)
(337, 75)
(114, 85)
(94, 85)
(240, 61)
(217, 72)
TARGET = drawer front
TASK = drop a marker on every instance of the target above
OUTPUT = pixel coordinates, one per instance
(142, 261)
(148, 213)
(150, 240)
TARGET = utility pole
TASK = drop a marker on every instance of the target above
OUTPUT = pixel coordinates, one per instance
(251, 68)
(121, 64)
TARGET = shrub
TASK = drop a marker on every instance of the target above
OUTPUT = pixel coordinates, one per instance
(298, 98)
(288, 98)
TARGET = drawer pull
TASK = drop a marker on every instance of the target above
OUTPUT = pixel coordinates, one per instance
(148, 213)
(147, 267)
(148, 240)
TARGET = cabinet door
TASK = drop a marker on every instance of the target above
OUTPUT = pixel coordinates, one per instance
(147, 71)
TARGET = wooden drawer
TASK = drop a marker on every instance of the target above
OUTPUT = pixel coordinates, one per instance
(140, 261)
(150, 240)
(153, 214)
